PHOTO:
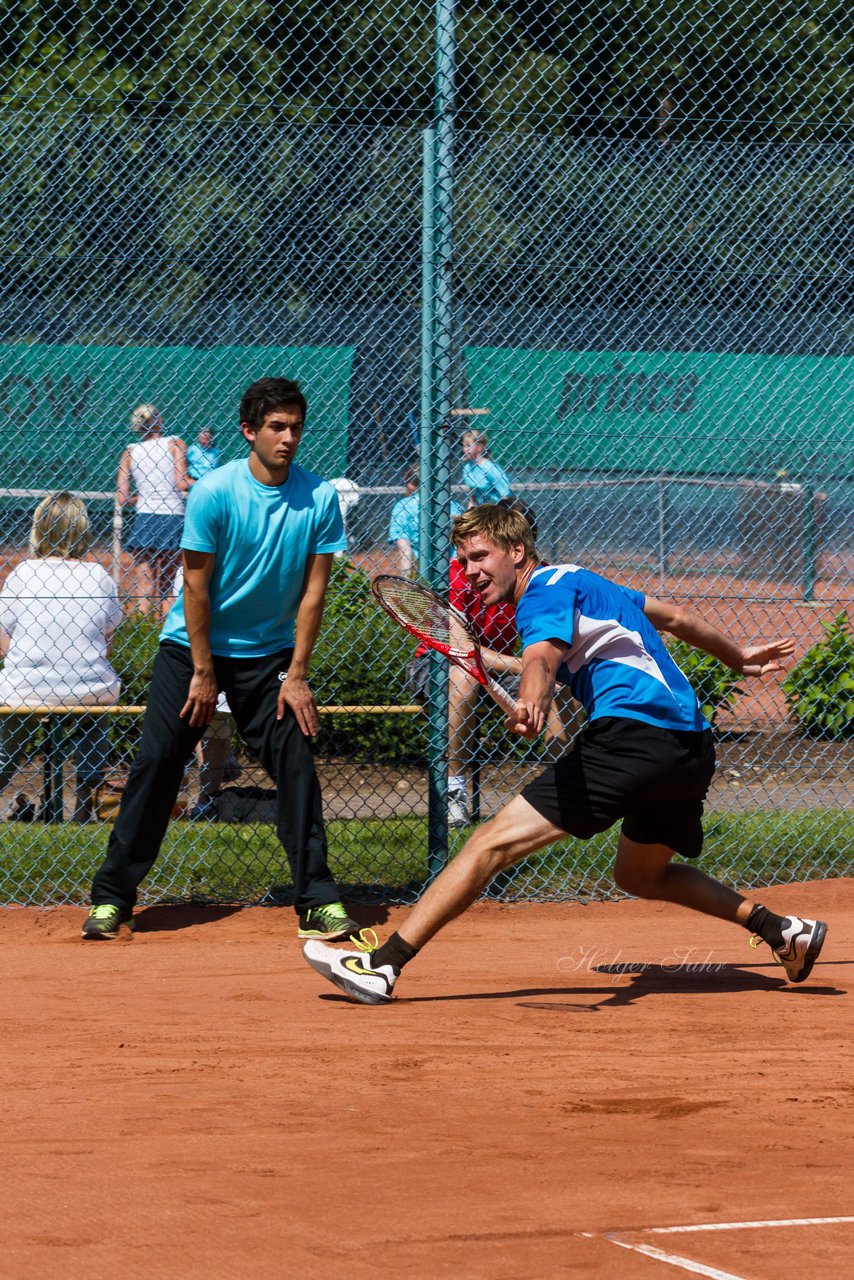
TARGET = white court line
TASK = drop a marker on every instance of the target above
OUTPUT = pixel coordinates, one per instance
(744, 1226)
(674, 1260)
(699, 1268)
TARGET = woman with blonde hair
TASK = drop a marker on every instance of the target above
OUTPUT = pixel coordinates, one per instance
(487, 481)
(58, 612)
(153, 478)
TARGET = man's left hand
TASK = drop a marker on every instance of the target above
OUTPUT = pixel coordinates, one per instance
(761, 659)
(296, 694)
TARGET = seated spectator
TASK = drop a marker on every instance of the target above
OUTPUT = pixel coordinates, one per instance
(58, 612)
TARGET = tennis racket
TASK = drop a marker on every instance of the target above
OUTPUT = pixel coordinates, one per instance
(440, 626)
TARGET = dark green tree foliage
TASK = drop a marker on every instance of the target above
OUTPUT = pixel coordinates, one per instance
(158, 158)
(820, 689)
(623, 66)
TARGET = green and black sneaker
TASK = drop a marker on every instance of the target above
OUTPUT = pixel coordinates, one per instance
(330, 923)
(105, 920)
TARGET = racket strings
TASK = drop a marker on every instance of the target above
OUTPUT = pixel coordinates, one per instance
(419, 608)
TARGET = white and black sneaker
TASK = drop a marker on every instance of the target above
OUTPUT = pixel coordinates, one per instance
(802, 942)
(458, 810)
(352, 972)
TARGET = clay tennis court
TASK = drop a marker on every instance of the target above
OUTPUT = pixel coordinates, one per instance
(553, 1087)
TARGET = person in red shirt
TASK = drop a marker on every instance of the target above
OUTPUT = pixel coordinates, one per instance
(495, 628)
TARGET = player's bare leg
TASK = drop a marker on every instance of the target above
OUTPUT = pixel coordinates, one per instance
(646, 871)
(145, 585)
(463, 702)
(165, 568)
(515, 831)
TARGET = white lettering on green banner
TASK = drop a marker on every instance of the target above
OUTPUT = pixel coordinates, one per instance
(666, 412)
(66, 409)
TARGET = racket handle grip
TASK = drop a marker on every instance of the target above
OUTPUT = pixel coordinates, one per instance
(500, 695)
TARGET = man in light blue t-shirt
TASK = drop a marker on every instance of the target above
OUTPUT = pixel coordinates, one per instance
(258, 542)
(645, 757)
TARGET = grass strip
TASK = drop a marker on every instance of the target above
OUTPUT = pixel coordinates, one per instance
(386, 858)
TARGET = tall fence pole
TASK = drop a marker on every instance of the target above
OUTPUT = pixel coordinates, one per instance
(436, 387)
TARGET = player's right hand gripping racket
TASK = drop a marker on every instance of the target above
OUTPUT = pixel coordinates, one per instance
(440, 626)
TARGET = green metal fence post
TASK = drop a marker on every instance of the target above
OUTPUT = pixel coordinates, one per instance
(809, 499)
(436, 376)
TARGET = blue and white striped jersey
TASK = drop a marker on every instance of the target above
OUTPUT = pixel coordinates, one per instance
(617, 663)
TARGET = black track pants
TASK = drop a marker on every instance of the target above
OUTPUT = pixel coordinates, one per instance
(252, 688)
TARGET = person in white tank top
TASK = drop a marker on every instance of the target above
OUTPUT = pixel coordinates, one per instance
(153, 478)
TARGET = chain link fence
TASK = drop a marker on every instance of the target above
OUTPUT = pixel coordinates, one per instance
(616, 242)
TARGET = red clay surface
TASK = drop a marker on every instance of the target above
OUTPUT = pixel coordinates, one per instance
(195, 1102)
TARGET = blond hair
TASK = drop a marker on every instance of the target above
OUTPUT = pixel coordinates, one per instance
(502, 526)
(477, 437)
(60, 526)
(146, 417)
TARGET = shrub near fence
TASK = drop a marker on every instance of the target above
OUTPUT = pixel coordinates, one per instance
(820, 689)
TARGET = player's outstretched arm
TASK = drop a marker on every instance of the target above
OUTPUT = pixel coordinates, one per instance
(501, 663)
(750, 660)
(761, 659)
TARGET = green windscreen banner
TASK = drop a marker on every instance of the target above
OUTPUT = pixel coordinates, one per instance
(66, 409)
(665, 412)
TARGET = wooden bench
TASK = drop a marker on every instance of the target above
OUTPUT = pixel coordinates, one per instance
(51, 806)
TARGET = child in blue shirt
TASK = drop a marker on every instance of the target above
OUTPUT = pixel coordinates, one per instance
(487, 481)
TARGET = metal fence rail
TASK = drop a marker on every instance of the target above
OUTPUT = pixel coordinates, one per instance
(623, 237)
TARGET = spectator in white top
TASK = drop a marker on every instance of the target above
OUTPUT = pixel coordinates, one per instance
(348, 498)
(58, 612)
(153, 477)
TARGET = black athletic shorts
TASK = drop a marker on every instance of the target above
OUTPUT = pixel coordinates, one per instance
(654, 779)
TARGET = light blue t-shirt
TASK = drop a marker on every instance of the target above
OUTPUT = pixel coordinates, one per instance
(405, 521)
(488, 482)
(261, 536)
(617, 664)
(200, 461)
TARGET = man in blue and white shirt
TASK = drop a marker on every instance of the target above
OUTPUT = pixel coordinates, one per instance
(645, 757)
